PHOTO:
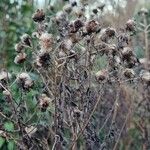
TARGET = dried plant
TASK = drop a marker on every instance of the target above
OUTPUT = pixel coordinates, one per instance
(82, 106)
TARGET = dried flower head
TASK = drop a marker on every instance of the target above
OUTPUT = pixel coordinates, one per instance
(26, 40)
(73, 3)
(43, 59)
(67, 8)
(19, 47)
(143, 11)
(20, 58)
(66, 45)
(127, 52)
(46, 41)
(129, 73)
(130, 25)
(102, 75)
(44, 102)
(145, 77)
(38, 16)
(77, 113)
(92, 26)
(25, 81)
(4, 75)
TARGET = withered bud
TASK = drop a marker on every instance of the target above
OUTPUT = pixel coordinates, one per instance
(145, 77)
(46, 41)
(38, 16)
(129, 73)
(130, 25)
(91, 26)
(26, 40)
(143, 11)
(20, 58)
(19, 47)
(25, 81)
(101, 75)
(44, 102)
(67, 8)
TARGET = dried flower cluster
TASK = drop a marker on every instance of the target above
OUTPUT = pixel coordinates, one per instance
(71, 81)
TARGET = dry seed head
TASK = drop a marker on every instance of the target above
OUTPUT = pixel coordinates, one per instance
(4, 75)
(19, 47)
(110, 32)
(38, 16)
(127, 52)
(67, 8)
(44, 102)
(143, 11)
(91, 26)
(43, 59)
(20, 58)
(145, 76)
(73, 3)
(130, 25)
(66, 45)
(25, 80)
(101, 75)
(26, 40)
(129, 73)
(46, 41)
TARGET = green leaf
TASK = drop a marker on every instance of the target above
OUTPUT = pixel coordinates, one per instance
(2, 141)
(9, 126)
(11, 145)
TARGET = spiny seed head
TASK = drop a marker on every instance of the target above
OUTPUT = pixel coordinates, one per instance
(38, 16)
(26, 40)
(129, 73)
(19, 47)
(46, 41)
(130, 25)
(20, 58)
